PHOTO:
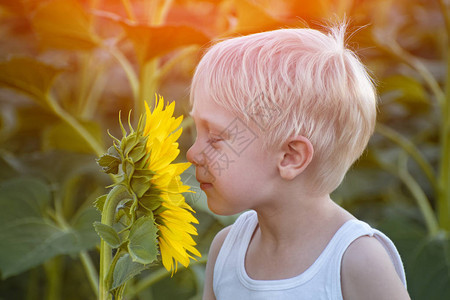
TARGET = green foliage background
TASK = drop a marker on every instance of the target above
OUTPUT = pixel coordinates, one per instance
(67, 67)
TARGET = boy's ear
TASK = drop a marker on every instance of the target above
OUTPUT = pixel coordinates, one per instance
(297, 153)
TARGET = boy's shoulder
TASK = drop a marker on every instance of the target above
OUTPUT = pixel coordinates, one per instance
(367, 269)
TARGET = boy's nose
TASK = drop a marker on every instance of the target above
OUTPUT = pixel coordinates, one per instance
(193, 155)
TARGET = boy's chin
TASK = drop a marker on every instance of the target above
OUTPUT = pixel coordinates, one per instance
(220, 210)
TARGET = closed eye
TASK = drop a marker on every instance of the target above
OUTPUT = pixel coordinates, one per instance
(213, 140)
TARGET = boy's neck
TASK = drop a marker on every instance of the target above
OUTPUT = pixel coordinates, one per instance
(299, 218)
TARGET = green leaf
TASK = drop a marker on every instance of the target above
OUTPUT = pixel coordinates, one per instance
(109, 163)
(82, 226)
(143, 242)
(152, 41)
(7, 166)
(65, 25)
(62, 136)
(426, 259)
(405, 90)
(28, 76)
(125, 269)
(429, 272)
(99, 203)
(28, 237)
(108, 234)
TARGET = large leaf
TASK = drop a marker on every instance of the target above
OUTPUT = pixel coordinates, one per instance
(429, 274)
(304, 9)
(15, 6)
(254, 18)
(64, 24)
(28, 76)
(125, 269)
(6, 167)
(61, 136)
(142, 244)
(20, 7)
(153, 41)
(28, 237)
(258, 16)
(406, 90)
(82, 226)
(426, 259)
(108, 234)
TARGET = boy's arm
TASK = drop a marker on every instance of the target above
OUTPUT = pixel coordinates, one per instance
(208, 293)
(368, 273)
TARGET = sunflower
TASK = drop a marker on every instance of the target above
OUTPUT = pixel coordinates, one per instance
(173, 217)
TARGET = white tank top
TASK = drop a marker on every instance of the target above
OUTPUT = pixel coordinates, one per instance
(322, 280)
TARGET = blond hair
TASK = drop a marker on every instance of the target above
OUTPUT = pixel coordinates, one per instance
(306, 82)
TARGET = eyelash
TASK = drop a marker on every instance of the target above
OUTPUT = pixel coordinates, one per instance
(213, 140)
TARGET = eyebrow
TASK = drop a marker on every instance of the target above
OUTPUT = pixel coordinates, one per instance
(208, 122)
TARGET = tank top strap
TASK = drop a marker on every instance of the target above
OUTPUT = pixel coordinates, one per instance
(348, 233)
(243, 226)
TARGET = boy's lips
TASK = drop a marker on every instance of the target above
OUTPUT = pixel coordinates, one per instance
(205, 185)
(204, 179)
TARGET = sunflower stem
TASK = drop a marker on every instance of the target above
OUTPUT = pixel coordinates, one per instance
(109, 275)
(109, 209)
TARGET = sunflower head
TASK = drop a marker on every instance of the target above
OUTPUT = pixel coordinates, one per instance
(151, 215)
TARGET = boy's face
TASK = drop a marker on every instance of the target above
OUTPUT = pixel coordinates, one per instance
(233, 170)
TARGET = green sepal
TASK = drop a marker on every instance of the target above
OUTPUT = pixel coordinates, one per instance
(159, 210)
(120, 214)
(115, 140)
(139, 150)
(110, 164)
(129, 143)
(99, 203)
(141, 182)
(151, 201)
(143, 244)
(143, 162)
(108, 234)
(121, 209)
(128, 168)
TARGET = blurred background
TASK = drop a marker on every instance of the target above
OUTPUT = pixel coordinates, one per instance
(67, 67)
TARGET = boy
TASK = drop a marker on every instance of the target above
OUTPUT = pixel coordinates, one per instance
(280, 118)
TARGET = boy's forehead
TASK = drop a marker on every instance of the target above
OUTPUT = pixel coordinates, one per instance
(203, 114)
(208, 112)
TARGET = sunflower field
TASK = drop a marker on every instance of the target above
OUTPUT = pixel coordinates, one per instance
(78, 80)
